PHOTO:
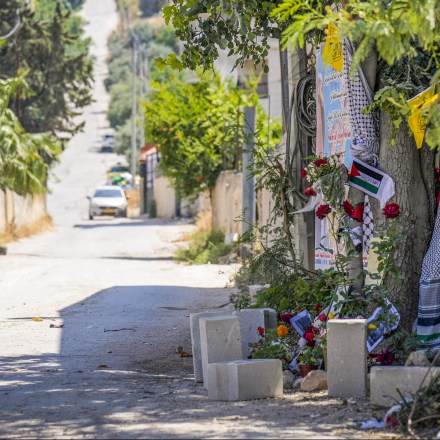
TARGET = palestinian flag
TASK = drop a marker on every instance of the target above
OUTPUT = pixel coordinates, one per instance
(371, 181)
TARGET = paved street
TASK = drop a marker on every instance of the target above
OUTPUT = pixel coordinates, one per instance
(101, 362)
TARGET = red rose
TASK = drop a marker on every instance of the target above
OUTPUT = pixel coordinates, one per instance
(385, 358)
(322, 317)
(260, 331)
(318, 307)
(310, 192)
(303, 172)
(309, 336)
(311, 343)
(315, 329)
(348, 207)
(286, 317)
(358, 213)
(391, 210)
(320, 163)
(322, 211)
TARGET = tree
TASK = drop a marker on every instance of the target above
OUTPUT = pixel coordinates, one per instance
(402, 32)
(24, 158)
(405, 34)
(154, 42)
(49, 46)
(197, 128)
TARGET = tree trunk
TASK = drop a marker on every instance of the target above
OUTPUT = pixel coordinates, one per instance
(413, 174)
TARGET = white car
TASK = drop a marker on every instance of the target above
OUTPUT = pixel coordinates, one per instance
(108, 200)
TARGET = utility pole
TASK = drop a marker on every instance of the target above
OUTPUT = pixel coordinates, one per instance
(134, 45)
(248, 178)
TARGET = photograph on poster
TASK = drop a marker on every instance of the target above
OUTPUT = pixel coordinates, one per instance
(301, 321)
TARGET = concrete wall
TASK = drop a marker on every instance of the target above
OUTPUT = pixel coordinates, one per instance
(22, 211)
(165, 197)
(227, 202)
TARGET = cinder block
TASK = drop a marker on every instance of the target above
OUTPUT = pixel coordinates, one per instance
(245, 380)
(220, 341)
(385, 381)
(195, 339)
(250, 320)
(347, 357)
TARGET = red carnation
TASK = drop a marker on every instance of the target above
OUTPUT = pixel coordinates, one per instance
(310, 192)
(320, 163)
(286, 317)
(260, 331)
(358, 213)
(303, 172)
(391, 210)
(322, 317)
(309, 336)
(385, 358)
(322, 211)
(348, 207)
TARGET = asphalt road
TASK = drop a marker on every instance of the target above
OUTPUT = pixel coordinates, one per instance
(100, 361)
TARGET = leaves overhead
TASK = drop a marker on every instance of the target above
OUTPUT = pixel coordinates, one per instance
(50, 47)
(240, 27)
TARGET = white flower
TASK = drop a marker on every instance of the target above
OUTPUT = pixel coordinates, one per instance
(302, 342)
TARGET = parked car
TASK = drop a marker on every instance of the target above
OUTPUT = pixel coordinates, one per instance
(108, 142)
(108, 200)
(119, 170)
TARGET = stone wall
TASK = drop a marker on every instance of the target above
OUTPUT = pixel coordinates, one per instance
(21, 211)
(227, 202)
(165, 197)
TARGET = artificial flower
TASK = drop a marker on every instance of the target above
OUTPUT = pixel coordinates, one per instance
(286, 317)
(372, 327)
(330, 315)
(391, 210)
(303, 172)
(320, 163)
(322, 317)
(313, 329)
(311, 343)
(322, 211)
(385, 358)
(392, 421)
(318, 307)
(310, 192)
(348, 207)
(358, 213)
(260, 331)
(309, 336)
(282, 331)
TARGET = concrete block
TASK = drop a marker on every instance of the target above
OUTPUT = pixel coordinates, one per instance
(194, 319)
(250, 320)
(384, 382)
(347, 357)
(220, 341)
(245, 380)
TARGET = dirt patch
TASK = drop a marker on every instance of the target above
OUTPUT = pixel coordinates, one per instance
(43, 224)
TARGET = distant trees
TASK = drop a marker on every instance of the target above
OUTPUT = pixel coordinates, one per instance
(50, 47)
(154, 41)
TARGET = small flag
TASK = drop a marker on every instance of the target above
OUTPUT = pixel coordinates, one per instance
(333, 53)
(371, 181)
(420, 106)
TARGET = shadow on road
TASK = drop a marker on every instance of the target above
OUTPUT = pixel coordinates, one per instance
(104, 223)
(140, 258)
(118, 375)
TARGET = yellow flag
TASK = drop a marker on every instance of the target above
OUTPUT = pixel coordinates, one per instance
(333, 53)
(420, 106)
